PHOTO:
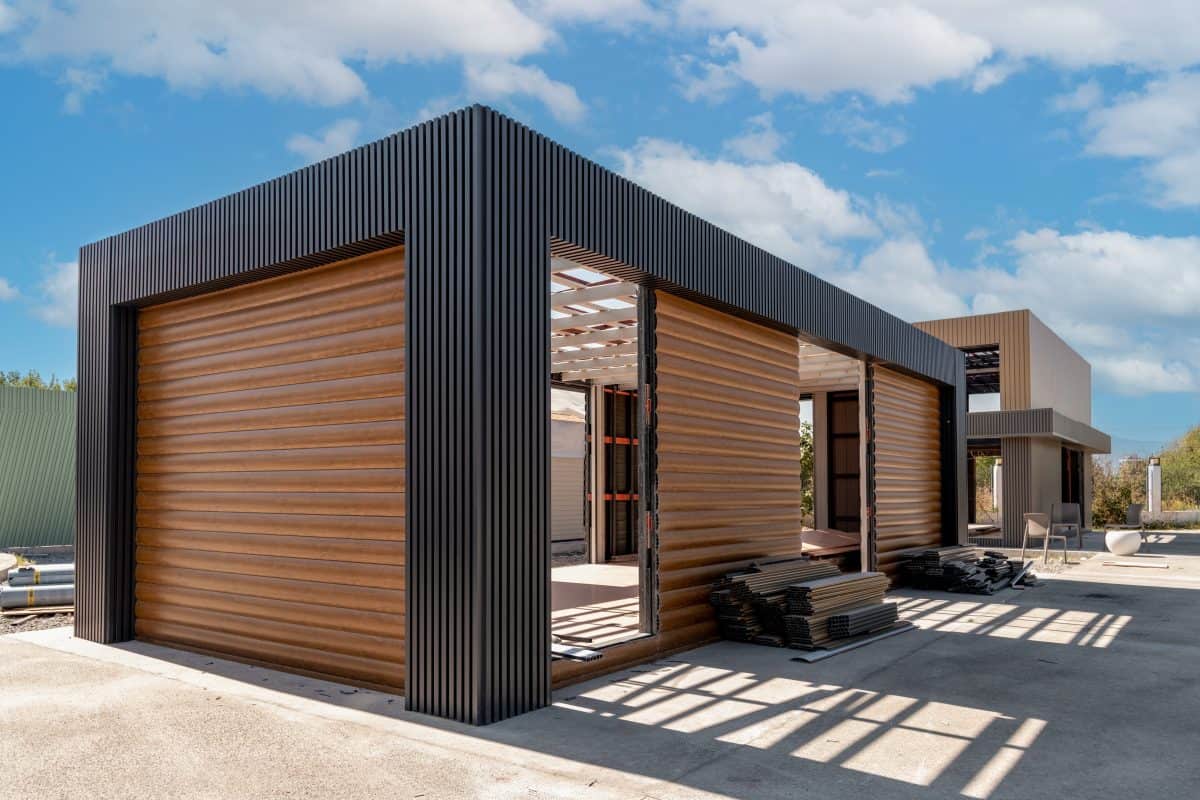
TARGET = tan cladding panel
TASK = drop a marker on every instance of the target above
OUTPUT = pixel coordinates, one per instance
(908, 466)
(728, 449)
(271, 474)
(1009, 330)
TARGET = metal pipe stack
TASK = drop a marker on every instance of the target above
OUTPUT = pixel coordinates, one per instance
(39, 586)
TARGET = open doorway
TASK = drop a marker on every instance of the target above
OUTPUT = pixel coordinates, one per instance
(832, 453)
(597, 567)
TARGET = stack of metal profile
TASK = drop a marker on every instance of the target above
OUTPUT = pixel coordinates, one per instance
(865, 619)
(958, 569)
(811, 605)
(751, 603)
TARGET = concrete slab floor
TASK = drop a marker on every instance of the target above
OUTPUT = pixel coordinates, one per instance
(1082, 688)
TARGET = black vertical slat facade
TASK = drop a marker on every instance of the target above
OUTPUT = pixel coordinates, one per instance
(477, 199)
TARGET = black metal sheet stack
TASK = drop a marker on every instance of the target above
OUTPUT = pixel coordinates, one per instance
(811, 604)
(862, 620)
(958, 569)
(751, 604)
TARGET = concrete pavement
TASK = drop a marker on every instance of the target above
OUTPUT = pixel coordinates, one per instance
(1084, 687)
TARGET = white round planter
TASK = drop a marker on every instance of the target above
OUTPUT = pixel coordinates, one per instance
(1123, 543)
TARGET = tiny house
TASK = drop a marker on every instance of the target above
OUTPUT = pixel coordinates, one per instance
(317, 422)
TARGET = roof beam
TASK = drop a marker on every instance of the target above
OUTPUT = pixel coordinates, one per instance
(598, 318)
(629, 333)
(614, 291)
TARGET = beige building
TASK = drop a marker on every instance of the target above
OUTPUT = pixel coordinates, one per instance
(1029, 402)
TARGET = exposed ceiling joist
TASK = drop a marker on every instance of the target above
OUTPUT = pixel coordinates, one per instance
(592, 294)
(598, 318)
(629, 333)
(602, 376)
(595, 353)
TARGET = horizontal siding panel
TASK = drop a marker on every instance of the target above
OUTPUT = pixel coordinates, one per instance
(329, 480)
(347, 527)
(312, 614)
(270, 487)
(320, 458)
(354, 434)
(305, 659)
(350, 343)
(332, 596)
(376, 409)
(907, 465)
(315, 547)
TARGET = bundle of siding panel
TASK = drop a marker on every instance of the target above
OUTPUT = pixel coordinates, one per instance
(866, 619)
(812, 604)
(751, 603)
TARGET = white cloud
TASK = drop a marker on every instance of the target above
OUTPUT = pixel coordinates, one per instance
(818, 49)
(761, 142)
(782, 206)
(1128, 303)
(900, 277)
(313, 52)
(80, 83)
(336, 138)
(861, 131)
(610, 13)
(889, 50)
(8, 18)
(499, 80)
(1138, 374)
(1161, 126)
(58, 295)
(1083, 97)
(7, 290)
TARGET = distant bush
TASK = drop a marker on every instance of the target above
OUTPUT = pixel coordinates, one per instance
(34, 380)
(1181, 472)
(1115, 487)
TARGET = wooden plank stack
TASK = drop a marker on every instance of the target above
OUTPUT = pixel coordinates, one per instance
(812, 604)
(751, 604)
(958, 569)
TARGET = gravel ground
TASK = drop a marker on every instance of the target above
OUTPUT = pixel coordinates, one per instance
(38, 623)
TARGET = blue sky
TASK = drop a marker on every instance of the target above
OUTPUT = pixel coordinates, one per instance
(935, 157)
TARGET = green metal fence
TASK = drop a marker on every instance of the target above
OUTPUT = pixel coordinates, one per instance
(37, 467)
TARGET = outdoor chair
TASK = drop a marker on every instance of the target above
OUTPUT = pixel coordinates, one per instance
(1067, 519)
(1037, 526)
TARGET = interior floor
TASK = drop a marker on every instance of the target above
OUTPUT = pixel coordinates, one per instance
(594, 605)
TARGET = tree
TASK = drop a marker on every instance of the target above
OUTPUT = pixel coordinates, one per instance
(1181, 472)
(984, 502)
(1115, 487)
(34, 380)
(806, 468)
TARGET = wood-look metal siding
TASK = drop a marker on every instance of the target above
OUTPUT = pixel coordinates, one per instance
(476, 198)
(1009, 330)
(727, 451)
(271, 471)
(907, 465)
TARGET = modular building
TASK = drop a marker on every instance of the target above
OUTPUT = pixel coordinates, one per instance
(1030, 405)
(316, 422)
